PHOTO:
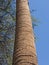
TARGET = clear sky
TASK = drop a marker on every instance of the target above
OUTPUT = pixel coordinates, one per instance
(42, 30)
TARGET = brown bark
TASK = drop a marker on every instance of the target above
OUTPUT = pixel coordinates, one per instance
(24, 47)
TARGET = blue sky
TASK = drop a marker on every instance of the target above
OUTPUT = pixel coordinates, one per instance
(42, 30)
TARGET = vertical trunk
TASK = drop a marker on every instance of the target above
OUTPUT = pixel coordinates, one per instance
(24, 48)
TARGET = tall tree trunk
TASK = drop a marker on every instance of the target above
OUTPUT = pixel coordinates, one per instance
(24, 47)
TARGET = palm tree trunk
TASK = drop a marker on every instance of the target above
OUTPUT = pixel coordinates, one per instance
(24, 47)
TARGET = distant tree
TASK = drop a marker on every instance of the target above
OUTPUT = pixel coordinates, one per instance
(7, 30)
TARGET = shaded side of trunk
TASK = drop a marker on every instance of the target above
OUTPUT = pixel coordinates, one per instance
(24, 48)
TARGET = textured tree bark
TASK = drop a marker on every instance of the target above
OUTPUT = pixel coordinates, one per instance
(24, 47)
